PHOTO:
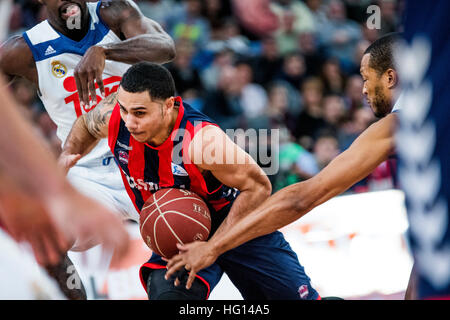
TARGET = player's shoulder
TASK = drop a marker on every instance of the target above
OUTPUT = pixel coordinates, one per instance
(15, 56)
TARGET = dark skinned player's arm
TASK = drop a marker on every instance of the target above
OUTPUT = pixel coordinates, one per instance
(370, 149)
(213, 148)
(143, 39)
(87, 131)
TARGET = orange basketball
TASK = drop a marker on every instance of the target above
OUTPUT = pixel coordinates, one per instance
(172, 216)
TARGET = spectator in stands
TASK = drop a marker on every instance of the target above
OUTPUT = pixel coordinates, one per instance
(339, 35)
(26, 14)
(256, 17)
(278, 113)
(268, 64)
(358, 53)
(185, 77)
(223, 104)
(293, 69)
(312, 54)
(333, 113)
(353, 98)
(389, 18)
(159, 10)
(319, 12)
(357, 10)
(309, 164)
(332, 77)
(210, 75)
(226, 35)
(215, 11)
(252, 96)
(189, 24)
(310, 121)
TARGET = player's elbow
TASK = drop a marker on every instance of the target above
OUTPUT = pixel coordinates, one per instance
(169, 49)
(264, 187)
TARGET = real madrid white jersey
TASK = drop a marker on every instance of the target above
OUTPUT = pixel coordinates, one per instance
(56, 57)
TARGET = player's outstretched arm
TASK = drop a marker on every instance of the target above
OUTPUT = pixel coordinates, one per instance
(143, 40)
(86, 132)
(370, 149)
(289, 204)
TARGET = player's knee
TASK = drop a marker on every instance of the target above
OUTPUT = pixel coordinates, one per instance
(159, 288)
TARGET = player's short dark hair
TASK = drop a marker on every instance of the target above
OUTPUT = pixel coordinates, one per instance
(151, 77)
(381, 52)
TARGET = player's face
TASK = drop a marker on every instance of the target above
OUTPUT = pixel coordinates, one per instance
(144, 118)
(376, 88)
(63, 13)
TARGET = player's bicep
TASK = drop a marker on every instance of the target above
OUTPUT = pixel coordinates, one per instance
(97, 120)
(212, 150)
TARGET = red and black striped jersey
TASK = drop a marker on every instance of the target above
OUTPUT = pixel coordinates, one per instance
(145, 168)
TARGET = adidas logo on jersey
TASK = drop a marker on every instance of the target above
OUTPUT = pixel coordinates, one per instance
(49, 50)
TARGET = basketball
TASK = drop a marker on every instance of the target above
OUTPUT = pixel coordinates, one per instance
(172, 216)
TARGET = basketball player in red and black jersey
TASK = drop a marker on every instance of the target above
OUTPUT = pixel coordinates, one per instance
(151, 133)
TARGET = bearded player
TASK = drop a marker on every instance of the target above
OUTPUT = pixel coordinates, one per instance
(76, 57)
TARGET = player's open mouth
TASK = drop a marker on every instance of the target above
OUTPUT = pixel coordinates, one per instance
(69, 10)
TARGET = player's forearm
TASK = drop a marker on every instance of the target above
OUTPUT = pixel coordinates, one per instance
(247, 201)
(277, 211)
(156, 48)
(80, 140)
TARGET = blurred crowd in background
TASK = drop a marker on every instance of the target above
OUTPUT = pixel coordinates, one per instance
(291, 65)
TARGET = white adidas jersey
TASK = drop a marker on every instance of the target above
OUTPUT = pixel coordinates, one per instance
(56, 57)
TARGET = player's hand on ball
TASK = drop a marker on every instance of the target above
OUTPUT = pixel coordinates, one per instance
(194, 257)
(88, 73)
